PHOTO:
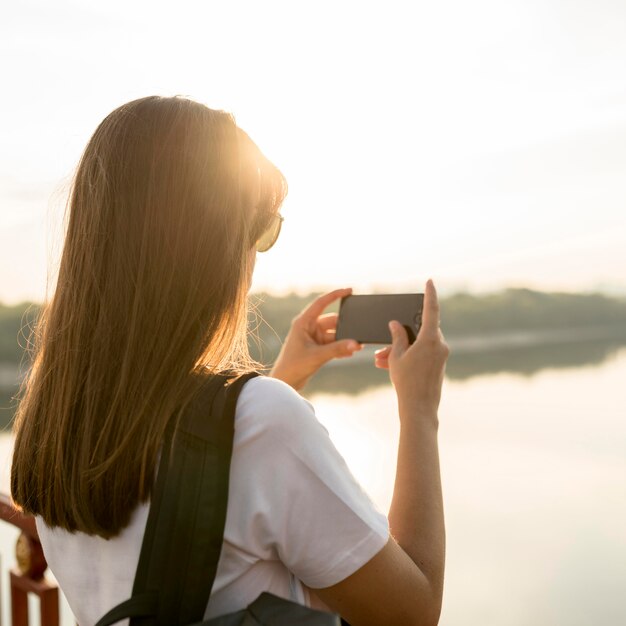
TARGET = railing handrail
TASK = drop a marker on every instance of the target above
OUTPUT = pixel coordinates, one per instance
(9, 513)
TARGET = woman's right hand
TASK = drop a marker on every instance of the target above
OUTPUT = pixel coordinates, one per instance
(416, 370)
(403, 583)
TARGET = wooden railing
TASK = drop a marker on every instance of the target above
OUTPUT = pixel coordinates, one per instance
(29, 577)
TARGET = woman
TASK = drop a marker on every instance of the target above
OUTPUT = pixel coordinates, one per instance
(169, 205)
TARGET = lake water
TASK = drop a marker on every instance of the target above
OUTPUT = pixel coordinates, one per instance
(534, 476)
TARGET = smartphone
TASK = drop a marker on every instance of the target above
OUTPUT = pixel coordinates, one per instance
(366, 318)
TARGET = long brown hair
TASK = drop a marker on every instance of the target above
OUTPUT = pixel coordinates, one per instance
(165, 206)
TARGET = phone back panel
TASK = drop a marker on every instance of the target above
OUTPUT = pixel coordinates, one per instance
(366, 318)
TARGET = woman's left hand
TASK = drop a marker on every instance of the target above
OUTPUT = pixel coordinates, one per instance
(311, 342)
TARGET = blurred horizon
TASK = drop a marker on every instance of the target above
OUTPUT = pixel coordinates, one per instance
(447, 291)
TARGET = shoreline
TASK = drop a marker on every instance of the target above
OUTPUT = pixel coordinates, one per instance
(484, 343)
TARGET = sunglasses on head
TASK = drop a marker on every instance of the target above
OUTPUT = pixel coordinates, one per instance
(269, 237)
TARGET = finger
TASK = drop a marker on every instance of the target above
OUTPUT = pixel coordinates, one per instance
(326, 328)
(382, 364)
(399, 338)
(430, 314)
(339, 349)
(381, 359)
(328, 321)
(316, 308)
(383, 353)
(327, 336)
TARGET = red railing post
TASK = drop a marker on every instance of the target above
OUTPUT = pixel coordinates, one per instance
(29, 577)
(19, 605)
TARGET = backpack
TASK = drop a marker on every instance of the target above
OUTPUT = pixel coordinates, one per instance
(185, 527)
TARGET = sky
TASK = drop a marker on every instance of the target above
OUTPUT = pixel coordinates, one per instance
(481, 144)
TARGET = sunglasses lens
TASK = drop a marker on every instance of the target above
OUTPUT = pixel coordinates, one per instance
(269, 237)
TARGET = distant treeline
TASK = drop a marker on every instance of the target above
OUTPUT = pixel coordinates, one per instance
(462, 315)
(14, 324)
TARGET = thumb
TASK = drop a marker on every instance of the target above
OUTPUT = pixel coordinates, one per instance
(399, 339)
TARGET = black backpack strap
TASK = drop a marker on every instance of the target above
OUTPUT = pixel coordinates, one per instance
(137, 606)
(210, 504)
(185, 527)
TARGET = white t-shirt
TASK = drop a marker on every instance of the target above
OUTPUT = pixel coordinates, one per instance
(295, 513)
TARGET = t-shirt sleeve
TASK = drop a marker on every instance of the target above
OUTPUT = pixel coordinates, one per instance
(307, 506)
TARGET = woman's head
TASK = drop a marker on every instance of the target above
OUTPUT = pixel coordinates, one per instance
(169, 199)
(166, 205)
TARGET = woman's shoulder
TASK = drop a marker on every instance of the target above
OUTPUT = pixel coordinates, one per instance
(267, 391)
(268, 404)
